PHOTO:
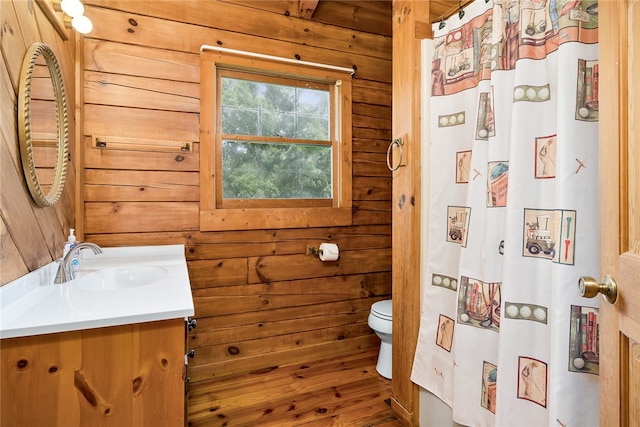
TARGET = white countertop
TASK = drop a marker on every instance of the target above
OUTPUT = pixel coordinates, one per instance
(34, 305)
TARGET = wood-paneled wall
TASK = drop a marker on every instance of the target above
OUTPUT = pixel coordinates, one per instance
(408, 31)
(260, 301)
(30, 236)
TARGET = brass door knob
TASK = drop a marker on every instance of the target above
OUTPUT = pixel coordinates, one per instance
(589, 287)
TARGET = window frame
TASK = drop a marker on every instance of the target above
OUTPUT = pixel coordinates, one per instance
(252, 214)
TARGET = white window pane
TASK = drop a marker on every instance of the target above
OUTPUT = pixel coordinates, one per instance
(266, 109)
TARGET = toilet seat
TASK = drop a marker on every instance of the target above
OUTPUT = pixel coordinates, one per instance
(382, 309)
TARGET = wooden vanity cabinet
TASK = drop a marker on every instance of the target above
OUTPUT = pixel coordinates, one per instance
(129, 375)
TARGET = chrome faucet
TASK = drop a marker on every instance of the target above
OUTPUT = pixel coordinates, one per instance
(65, 270)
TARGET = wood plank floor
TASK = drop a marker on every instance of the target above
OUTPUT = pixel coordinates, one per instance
(343, 391)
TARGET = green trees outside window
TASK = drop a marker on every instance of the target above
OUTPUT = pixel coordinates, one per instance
(275, 141)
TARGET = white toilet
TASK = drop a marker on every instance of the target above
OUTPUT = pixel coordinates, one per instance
(380, 322)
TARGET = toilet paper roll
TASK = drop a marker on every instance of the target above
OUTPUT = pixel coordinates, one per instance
(328, 252)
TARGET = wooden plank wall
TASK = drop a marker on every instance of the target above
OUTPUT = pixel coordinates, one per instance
(260, 300)
(408, 32)
(30, 236)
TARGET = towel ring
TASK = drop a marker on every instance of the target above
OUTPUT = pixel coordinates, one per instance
(398, 142)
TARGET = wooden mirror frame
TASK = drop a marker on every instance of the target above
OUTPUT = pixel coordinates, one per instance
(24, 124)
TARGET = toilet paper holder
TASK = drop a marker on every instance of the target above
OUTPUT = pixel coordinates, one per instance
(331, 255)
(313, 250)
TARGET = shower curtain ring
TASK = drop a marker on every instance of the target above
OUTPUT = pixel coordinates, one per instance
(461, 12)
(442, 23)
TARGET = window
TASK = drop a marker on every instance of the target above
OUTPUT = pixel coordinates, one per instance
(275, 143)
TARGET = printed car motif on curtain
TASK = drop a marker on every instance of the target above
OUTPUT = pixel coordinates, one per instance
(514, 145)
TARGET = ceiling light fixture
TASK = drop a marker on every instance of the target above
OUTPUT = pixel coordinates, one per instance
(73, 8)
(74, 15)
(82, 24)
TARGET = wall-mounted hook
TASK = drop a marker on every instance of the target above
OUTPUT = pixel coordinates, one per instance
(461, 12)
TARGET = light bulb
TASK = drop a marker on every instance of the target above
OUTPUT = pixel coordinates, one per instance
(82, 24)
(73, 8)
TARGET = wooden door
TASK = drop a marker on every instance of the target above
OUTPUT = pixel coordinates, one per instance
(619, 215)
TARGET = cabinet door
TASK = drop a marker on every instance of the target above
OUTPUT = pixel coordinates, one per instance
(38, 380)
(122, 376)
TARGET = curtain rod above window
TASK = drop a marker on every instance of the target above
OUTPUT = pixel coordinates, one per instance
(277, 58)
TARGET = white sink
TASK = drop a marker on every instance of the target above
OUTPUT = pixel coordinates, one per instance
(125, 277)
(122, 285)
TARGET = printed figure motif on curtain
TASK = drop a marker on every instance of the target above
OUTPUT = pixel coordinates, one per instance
(513, 29)
(514, 140)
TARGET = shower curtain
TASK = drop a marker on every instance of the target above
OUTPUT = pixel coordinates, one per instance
(505, 339)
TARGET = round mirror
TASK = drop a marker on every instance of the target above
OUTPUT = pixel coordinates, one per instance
(43, 126)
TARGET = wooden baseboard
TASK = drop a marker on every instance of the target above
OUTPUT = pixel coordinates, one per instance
(401, 413)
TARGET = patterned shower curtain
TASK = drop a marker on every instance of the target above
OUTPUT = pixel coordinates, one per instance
(505, 339)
